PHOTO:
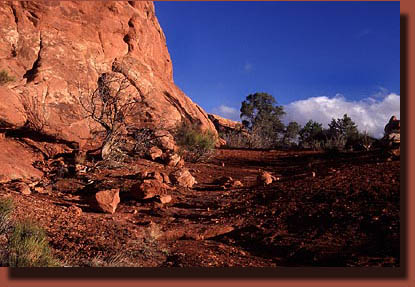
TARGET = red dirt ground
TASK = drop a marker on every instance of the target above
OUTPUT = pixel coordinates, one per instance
(347, 215)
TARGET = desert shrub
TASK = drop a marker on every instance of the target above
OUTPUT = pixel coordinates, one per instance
(28, 247)
(334, 144)
(116, 260)
(194, 144)
(5, 78)
(6, 208)
(235, 139)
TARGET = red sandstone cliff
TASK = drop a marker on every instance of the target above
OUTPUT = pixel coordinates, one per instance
(51, 47)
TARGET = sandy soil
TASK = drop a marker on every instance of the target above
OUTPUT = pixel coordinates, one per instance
(348, 214)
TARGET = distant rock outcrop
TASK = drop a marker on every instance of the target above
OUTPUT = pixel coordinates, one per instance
(55, 49)
(392, 138)
(223, 125)
(393, 132)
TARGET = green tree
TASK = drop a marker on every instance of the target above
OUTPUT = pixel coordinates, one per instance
(311, 135)
(344, 129)
(261, 115)
(291, 133)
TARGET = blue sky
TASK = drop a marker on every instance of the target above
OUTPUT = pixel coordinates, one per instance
(316, 54)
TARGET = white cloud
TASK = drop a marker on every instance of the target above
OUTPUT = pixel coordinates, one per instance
(227, 112)
(370, 114)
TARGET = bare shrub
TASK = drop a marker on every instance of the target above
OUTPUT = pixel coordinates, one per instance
(34, 107)
(109, 105)
(144, 139)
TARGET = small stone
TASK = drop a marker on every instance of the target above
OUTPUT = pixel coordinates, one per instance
(149, 188)
(264, 178)
(155, 175)
(183, 178)
(39, 189)
(174, 160)
(165, 198)
(237, 184)
(75, 210)
(108, 200)
(155, 153)
(23, 188)
(165, 177)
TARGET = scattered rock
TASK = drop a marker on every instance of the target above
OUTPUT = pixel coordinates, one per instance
(80, 169)
(165, 177)
(265, 178)
(183, 178)
(75, 210)
(143, 174)
(237, 184)
(149, 188)
(39, 189)
(165, 198)
(224, 180)
(108, 200)
(174, 160)
(228, 182)
(166, 140)
(23, 188)
(154, 153)
(155, 175)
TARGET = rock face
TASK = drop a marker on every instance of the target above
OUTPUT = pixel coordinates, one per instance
(55, 50)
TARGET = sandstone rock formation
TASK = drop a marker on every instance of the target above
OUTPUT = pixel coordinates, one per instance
(57, 50)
